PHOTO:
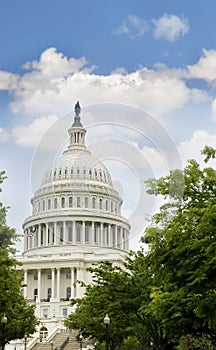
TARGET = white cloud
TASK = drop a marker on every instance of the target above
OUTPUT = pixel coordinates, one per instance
(133, 26)
(170, 27)
(120, 71)
(53, 64)
(31, 134)
(55, 82)
(191, 149)
(4, 135)
(205, 68)
(8, 81)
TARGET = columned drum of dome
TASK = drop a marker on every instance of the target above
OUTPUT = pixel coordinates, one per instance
(76, 221)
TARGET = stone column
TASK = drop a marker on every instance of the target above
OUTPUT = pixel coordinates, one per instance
(55, 233)
(101, 234)
(121, 238)
(25, 240)
(83, 233)
(39, 235)
(58, 283)
(109, 235)
(64, 232)
(39, 285)
(53, 283)
(92, 233)
(25, 283)
(74, 232)
(116, 236)
(46, 234)
(72, 282)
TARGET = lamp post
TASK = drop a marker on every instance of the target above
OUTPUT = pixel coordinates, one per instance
(80, 341)
(25, 341)
(106, 322)
(3, 322)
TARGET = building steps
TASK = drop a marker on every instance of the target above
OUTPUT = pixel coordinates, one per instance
(58, 340)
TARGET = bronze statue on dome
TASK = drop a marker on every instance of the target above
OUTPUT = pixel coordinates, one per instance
(77, 108)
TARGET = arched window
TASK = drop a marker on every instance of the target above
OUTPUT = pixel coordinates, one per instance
(35, 293)
(49, 204)
(49, 293)
(55, 203)
(112, 206)
(86, 202)
(44, 330)
(66, 171)
(61, 234)
(70, 202)
(43, 205)
(93, 202)
(63, 202)
(78, 202)
(107, 205)
(100, 203)
(68, 293)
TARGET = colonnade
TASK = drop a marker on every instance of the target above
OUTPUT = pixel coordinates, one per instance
(76, 232)
(52, 284)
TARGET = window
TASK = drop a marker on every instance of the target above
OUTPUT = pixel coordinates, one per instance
(70, 202)
(60, 171)
(68, 276)
(106, 205)
(49, 293)
(64, 312)
(49, 204)
(78, 171)
(68, 293)
(45, 315)
(111, 206)
(35, 277)
(78, 202)
(100, 203)
(78, 231)
(66, 171)
(63, 202)
(35, 293)
(49, 276)
(55, 203)
(87, 232)
(93, 202)
(72, 171)
(61, 234)
(69, 234)
(43, 205)
(86, 202)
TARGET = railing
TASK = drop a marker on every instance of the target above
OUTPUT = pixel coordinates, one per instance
(61, 347)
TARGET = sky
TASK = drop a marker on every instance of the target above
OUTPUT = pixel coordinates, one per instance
(144, 72)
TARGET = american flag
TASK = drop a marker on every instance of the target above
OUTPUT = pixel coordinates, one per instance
(32, 233)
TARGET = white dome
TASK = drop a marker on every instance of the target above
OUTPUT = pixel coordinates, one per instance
(79, 166)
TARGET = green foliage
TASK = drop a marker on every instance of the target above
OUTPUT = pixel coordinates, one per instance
(20, 315)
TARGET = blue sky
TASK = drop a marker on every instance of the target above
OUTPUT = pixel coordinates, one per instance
(124, 60)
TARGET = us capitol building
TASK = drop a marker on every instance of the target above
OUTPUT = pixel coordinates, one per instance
(76, 221)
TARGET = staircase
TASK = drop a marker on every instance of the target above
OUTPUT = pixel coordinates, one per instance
(58, 340)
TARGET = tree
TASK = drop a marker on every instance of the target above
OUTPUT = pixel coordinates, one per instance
(20, 315)
(182, 241)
